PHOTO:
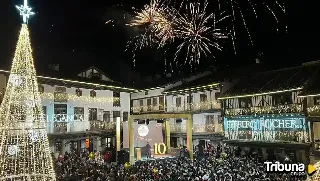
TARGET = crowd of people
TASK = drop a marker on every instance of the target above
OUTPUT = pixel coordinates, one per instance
(217, 165)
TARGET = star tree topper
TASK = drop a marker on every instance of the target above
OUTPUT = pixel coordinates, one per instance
(25, 11)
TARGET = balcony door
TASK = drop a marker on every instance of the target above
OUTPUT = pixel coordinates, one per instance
(60, 118)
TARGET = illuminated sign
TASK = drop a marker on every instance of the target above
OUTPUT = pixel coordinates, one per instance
(265, 128)
(143, 130)
(160, 149)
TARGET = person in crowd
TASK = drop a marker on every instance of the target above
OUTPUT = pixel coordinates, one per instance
(148, 149)
(243, 167)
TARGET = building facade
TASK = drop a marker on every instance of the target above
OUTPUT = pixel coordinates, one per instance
(265, 110)
(181, 98)
(81, 114)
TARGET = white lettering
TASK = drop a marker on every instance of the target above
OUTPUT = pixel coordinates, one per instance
(298, 169)
(268, 166)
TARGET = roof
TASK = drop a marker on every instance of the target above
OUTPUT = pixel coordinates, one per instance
(275, 81)
(214, 79)
(313, 88)
(80, 82)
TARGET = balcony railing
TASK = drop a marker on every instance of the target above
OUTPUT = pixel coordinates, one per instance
(197, 128)
(188, 107)
(80, 126)
(290, 108)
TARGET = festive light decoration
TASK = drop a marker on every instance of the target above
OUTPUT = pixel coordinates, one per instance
(197, 128)
(292, 108)
(25, 11)
(266, 128)
(72, 97)
(193, 88)
(206, 105)
(24, 154)
(261, 94)
(314, 110)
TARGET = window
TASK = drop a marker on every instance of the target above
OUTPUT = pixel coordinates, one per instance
(115, 115)
(78, 113)
(44, 112)
(216, 95)
(203, 98)
(209, 119)
(58, 146)
(149, 104)
(93, 93)
(41, 89)
(61, 89)
(155, 101)
(79, 92)
(161, 103)
(245, 102)
(125, 116)
(189, 99)
(141, 105)
(93, 114)
(283, 99)
(106, 116)
(178, 102)
(116, 99)
(316, 100)
(108, 142)
(60, 112)
(146, 93)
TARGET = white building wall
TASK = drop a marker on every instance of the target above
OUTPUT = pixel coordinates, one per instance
(86, 102)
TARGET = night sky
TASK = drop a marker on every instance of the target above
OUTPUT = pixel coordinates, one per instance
(74, 34)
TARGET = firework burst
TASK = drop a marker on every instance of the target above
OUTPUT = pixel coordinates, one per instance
(197, 29)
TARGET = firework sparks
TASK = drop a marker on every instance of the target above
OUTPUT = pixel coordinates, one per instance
(234, 7)
(199, 33)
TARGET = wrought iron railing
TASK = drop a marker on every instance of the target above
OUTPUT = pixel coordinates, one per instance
(290, 108)
(80, 126)
(187, 107)
(197, 128)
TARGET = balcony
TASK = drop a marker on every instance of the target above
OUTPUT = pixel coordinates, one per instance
(146, 109)
(70, 123)
(80, 126)
(188, 107)
(197, 128)
(290, 108)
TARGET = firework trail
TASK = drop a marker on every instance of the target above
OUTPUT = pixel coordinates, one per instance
(235, 8)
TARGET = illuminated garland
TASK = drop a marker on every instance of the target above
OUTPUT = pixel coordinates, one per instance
(25, 152)
(207, 105)
(314, 110)
(272, 136)
(72, 97)
(292, 108)
(62, 127)
(197, 128)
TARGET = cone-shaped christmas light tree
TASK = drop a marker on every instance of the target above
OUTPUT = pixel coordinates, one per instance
(24, 145)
